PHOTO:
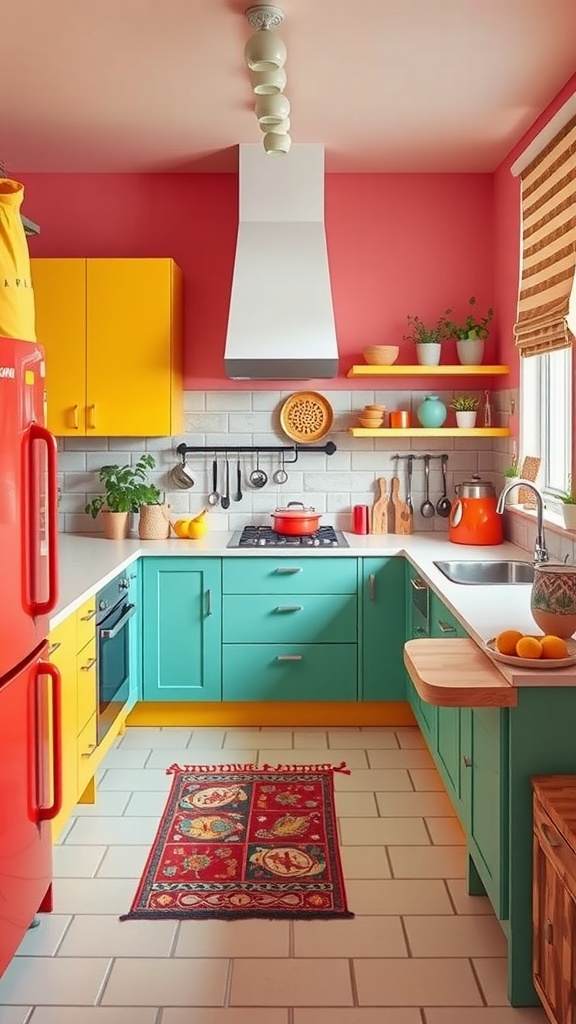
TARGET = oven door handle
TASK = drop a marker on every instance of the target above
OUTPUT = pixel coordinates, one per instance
(109, 634)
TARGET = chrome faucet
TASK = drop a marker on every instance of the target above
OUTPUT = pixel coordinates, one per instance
(540, 549)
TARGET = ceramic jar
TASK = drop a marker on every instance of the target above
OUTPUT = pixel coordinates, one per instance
(432, 412)
(553, 599)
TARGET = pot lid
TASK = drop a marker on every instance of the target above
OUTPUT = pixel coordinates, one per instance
(295, 513)
(476, 488)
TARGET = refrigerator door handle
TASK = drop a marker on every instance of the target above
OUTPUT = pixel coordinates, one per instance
(39, 433)
(47, 668)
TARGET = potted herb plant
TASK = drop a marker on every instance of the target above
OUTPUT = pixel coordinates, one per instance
(427, 338)
(470, 335)
(127, 489)
(568, 499)
(466, 408)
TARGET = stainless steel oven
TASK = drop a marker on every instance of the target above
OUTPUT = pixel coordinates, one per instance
(420, 607)
(114, 611)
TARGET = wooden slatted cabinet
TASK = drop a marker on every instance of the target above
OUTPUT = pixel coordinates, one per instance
(554, 896)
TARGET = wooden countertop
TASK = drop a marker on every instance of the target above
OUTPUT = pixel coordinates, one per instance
(456, 673)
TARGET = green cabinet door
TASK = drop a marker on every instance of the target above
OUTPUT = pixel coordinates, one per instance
(383, 611)
(484, 734)
(417, 629)
(182, 649)
(447, 752)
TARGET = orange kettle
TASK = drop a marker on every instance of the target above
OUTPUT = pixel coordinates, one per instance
(473, 517)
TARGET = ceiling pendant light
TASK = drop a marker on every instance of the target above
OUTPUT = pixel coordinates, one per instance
(264, 50)
(273, 108)
(266, 83)
(282, 127)
(277, 143)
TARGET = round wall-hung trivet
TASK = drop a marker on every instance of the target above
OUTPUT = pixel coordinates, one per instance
(306, 416)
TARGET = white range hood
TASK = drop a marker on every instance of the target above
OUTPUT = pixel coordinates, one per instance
(281, 321)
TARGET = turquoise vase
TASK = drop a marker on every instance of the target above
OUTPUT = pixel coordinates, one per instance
(432, 412)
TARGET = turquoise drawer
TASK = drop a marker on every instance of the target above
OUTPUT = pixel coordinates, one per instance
(298, 672)
(286, 618)
(287, 575)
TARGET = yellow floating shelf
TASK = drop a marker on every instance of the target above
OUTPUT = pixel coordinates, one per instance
(456, 370)
(430, 432)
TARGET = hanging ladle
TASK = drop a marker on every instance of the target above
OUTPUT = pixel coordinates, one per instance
(281, 476)
(214, 497)
(225, 499)
(427, 508)
(444, 505)
(258, 478)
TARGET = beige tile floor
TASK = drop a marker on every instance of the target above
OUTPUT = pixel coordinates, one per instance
(418, 951)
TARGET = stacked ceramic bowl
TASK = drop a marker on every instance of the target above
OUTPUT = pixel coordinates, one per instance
(372, 416)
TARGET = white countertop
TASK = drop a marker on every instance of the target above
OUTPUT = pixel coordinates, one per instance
(87, 563)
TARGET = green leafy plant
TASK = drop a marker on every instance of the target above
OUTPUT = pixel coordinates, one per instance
(423, 334)
(465, 403)
(513, 470)
(568, 497)
(126, 487)
(473, 327)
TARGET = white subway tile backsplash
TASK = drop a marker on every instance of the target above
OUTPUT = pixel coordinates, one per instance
(332, 484)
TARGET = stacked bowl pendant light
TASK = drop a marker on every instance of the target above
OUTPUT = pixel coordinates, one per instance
(265, 55)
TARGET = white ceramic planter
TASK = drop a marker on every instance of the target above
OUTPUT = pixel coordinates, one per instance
(466, 419)
(569, 513)
(429, 355)
(470, 351)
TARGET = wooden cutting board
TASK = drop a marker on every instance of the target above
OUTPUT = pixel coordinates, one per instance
(380, 509)
(401, 518)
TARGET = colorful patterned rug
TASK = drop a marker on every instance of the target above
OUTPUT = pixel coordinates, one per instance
(239, 841)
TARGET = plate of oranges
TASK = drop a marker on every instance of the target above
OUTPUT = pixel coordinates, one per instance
(529, 651)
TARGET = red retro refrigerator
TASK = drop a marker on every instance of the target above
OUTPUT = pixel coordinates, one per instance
(30, 755)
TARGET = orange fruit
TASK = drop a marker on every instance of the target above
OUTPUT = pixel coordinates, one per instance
(554, 647)
(181, 527)
(507, 640)
(529, 647)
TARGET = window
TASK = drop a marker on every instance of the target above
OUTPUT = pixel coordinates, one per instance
(546, 390)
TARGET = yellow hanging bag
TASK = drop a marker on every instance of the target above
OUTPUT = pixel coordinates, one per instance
(16, 293)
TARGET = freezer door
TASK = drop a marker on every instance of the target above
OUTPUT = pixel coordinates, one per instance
(28, 504)
(30, 792)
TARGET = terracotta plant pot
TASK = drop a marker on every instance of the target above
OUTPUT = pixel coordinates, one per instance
(553, 599)
(115, 525)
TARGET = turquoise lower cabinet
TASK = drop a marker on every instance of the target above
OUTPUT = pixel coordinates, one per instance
(446, 732)
(484, 804)
(290, 629)
(182, 629)
(300, 672)
(383, 611)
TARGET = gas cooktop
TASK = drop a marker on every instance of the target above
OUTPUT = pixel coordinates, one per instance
(266, 537)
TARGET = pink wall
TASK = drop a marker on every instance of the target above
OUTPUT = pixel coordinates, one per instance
(507, 234)
(398, 244)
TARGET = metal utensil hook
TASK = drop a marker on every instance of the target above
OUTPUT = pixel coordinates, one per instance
(288, 462)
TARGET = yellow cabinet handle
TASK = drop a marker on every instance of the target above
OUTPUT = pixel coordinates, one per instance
(53, 648)
(88, 665)
(90, 750)
(75, 422)
(90, 417)
(89, 615)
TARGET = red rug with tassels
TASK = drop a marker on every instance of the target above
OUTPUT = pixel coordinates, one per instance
(239, 841)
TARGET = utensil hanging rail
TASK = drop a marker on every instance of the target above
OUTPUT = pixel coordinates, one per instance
(328, 449)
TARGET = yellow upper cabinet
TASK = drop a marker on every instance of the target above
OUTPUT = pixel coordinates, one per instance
(112, 329)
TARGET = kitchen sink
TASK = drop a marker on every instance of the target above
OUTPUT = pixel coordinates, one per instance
(485, 573)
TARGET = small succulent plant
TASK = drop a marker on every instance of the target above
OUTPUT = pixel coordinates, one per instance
(465, 403)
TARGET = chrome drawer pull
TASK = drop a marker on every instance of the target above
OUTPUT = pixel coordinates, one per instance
(287, 570)
(290, 608)
(209, 602)
(110, 634)
(88, 616)
(372, 583)
(418, 584)
(446, 627)
(548, 836)
(420, 631)
(53, 648)
(288, 657)
(88, 665)
(466, 761)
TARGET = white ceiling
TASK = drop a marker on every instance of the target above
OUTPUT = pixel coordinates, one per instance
(386, 85)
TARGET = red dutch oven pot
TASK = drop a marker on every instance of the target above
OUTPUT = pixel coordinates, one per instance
(296, 520)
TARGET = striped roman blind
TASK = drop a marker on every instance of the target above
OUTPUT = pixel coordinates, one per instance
(548, 246)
